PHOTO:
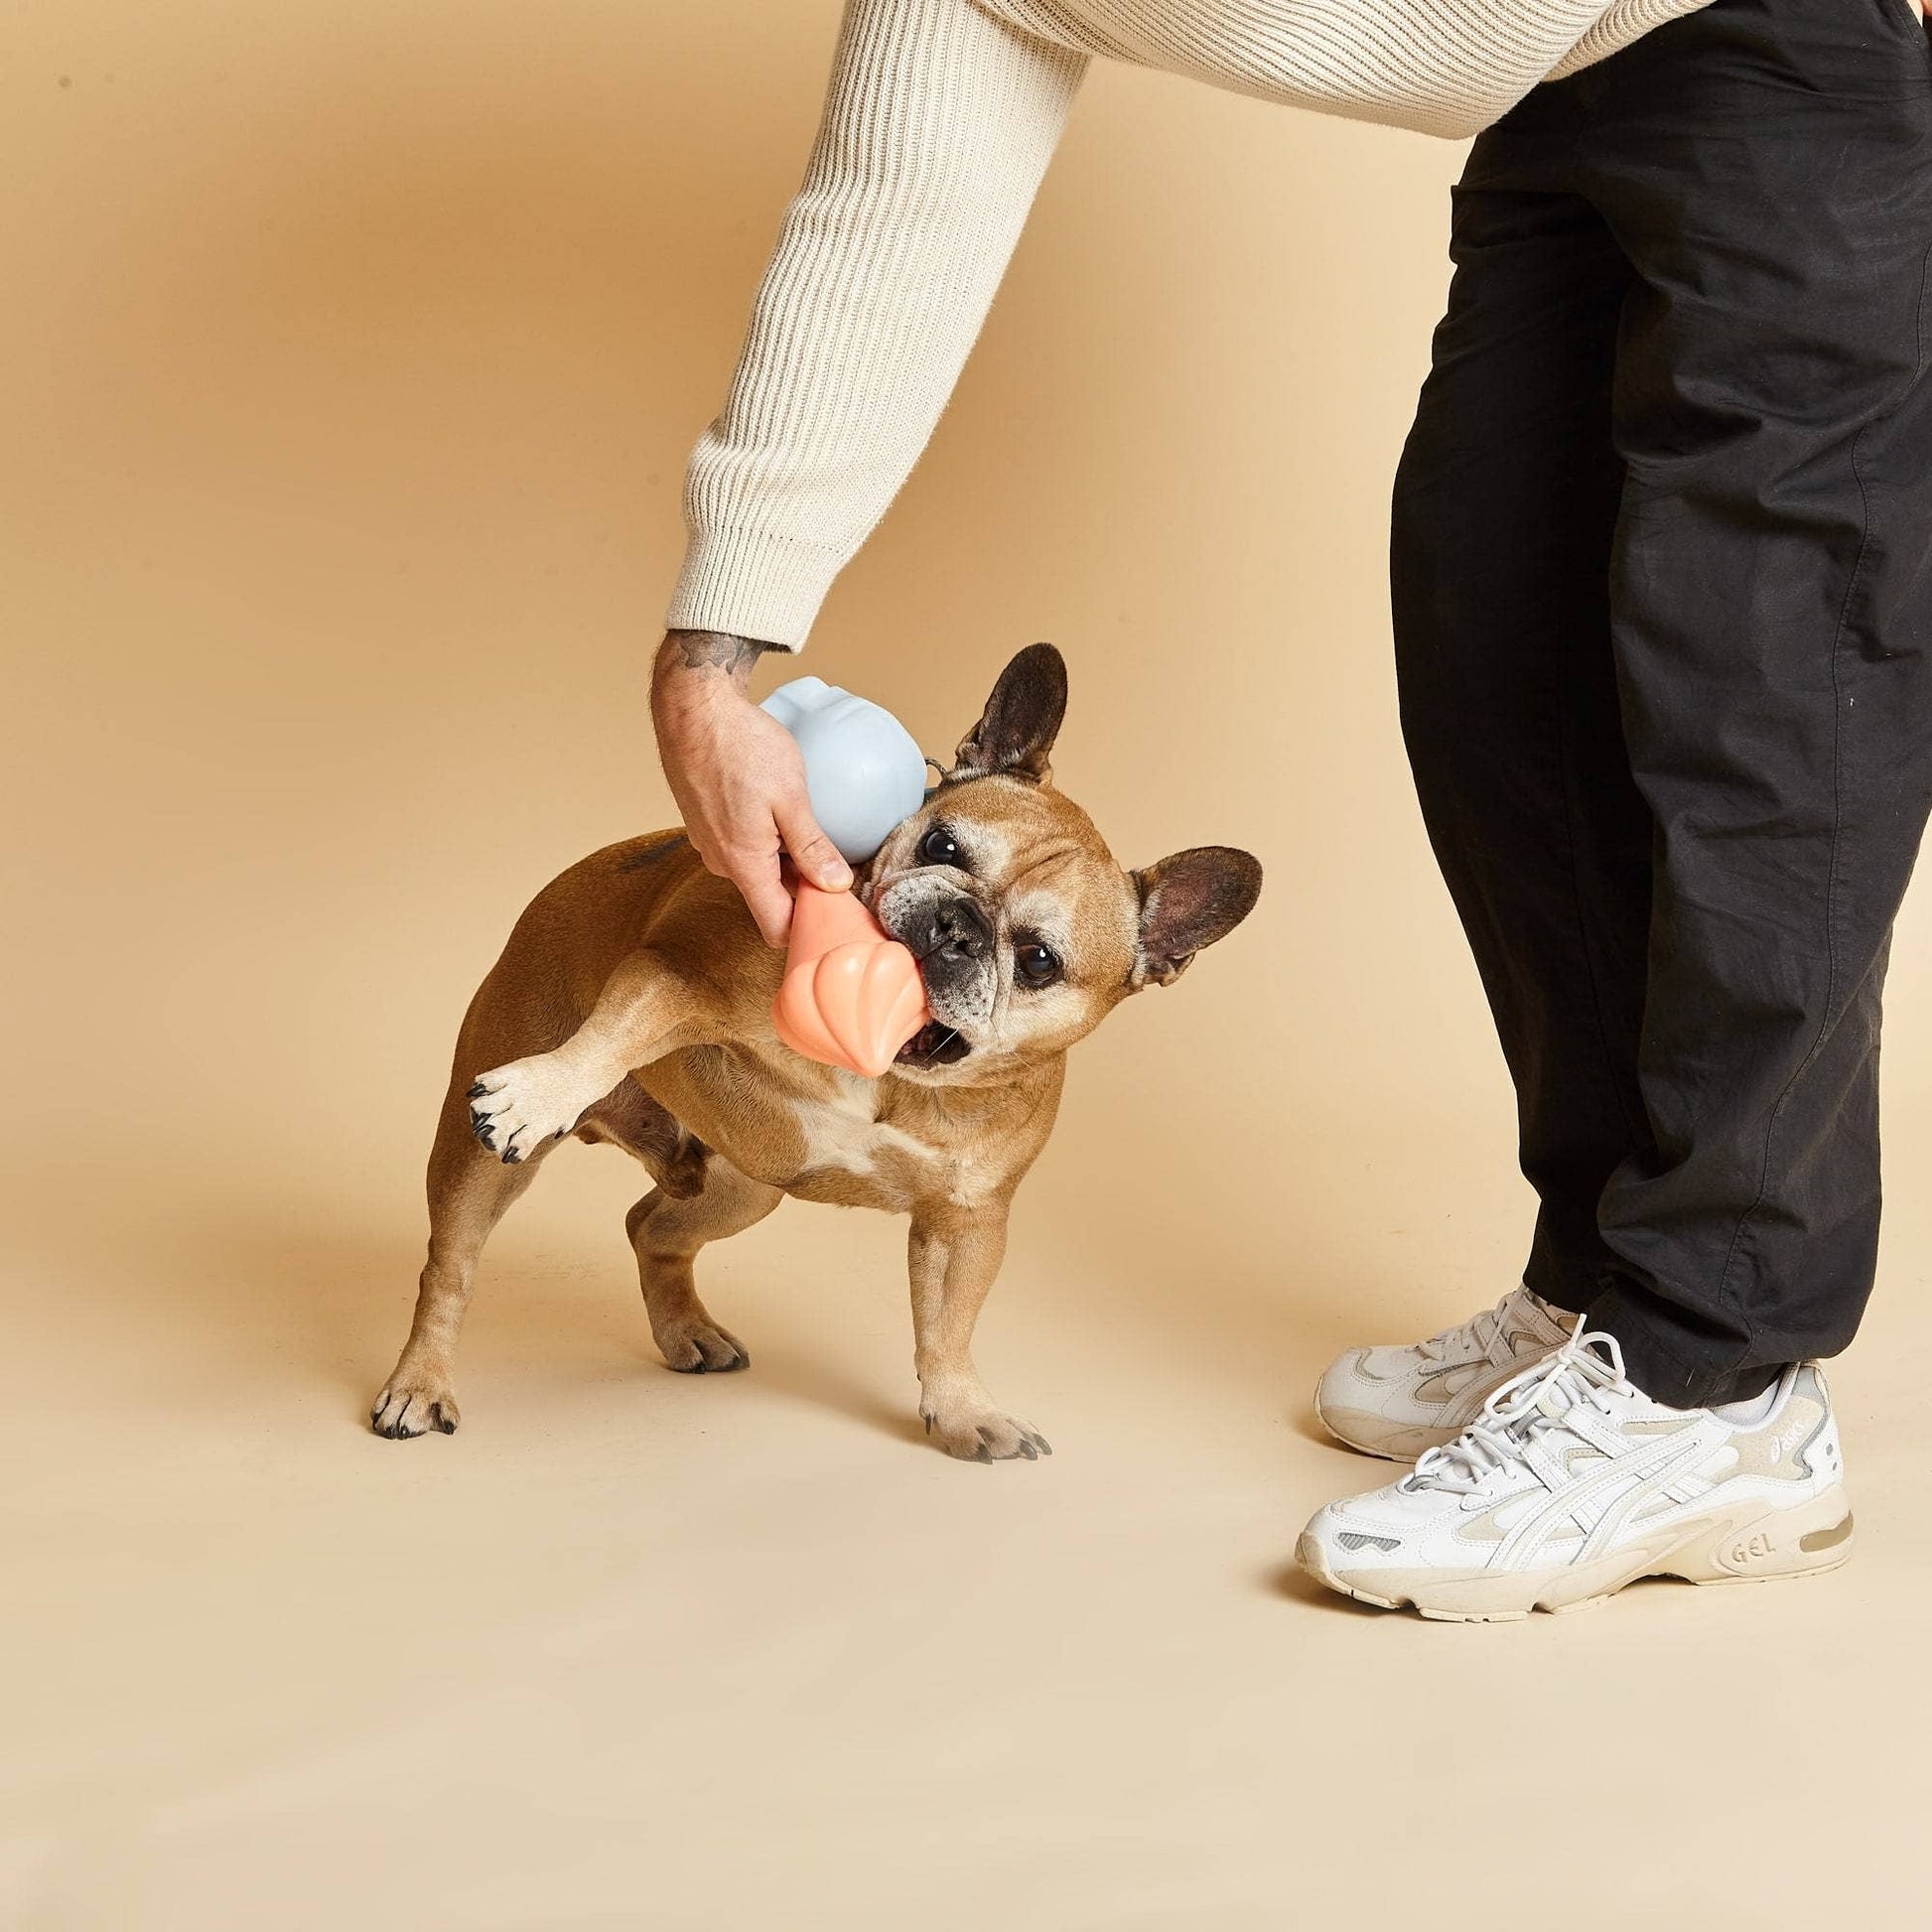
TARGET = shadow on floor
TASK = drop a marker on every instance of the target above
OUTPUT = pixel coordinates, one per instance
(297, 1298)
(280, 1292)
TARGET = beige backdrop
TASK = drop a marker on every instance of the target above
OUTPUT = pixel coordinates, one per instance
(352, 353)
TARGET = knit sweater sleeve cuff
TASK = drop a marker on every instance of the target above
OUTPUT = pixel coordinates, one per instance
(751, 585)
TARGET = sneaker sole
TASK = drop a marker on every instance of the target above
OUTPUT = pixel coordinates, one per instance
(1354, 1429)
(1809, 1540)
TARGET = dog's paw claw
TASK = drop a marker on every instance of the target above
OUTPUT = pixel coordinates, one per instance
(980, 1438)
(400, 1412)
(519, 1109)
(702, 1348)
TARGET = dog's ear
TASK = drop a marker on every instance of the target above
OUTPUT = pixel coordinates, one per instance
(1022, 719)
(1187, 902)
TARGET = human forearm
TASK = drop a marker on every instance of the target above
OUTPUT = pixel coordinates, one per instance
(700, 652)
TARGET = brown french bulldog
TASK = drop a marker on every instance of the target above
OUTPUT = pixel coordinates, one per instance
(632, 1004)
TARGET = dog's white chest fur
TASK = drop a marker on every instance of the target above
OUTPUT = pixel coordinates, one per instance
(846, 1132)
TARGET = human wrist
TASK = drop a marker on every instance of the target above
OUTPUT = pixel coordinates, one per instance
(704, 663)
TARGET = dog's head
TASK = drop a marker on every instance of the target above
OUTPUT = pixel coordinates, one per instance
(1026, 932)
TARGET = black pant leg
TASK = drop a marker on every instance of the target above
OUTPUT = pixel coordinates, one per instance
(1766, 166)
(1505, 513)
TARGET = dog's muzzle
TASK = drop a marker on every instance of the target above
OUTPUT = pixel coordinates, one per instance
(952, 939)
(951, 935)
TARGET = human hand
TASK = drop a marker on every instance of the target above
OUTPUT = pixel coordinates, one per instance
(736, 775)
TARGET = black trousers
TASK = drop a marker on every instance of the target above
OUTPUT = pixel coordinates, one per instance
(1662, 574)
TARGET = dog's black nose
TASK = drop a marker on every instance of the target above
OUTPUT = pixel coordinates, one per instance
(960, 928)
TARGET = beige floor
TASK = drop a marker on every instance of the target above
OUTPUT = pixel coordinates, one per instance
(640, 1650)
(352, 353)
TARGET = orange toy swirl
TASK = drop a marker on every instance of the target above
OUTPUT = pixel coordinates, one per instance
(851, 997)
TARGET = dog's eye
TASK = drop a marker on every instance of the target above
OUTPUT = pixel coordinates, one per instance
(939, 847)
(1036, 964)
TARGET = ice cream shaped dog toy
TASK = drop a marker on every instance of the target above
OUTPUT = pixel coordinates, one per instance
(851, 996)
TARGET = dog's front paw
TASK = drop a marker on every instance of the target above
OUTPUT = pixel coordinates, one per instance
(984, 1436)
(515, 1109)
(414, 1409)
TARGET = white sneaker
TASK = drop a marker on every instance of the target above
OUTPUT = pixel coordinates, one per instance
(1398, 1402)
(1572, 1483)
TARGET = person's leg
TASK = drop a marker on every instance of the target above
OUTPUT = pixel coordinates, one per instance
(1504, 514)
(1766, 166)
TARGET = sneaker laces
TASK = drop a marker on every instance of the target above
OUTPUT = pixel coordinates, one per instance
(1587, 1369)
(1476, 1336)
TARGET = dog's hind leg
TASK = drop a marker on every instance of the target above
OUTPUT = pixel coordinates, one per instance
(666, 1231)
(469, 1191)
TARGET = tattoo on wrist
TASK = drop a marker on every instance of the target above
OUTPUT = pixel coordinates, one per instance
(717, 650)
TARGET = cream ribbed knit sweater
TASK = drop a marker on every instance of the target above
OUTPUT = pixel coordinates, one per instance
(939, 124)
